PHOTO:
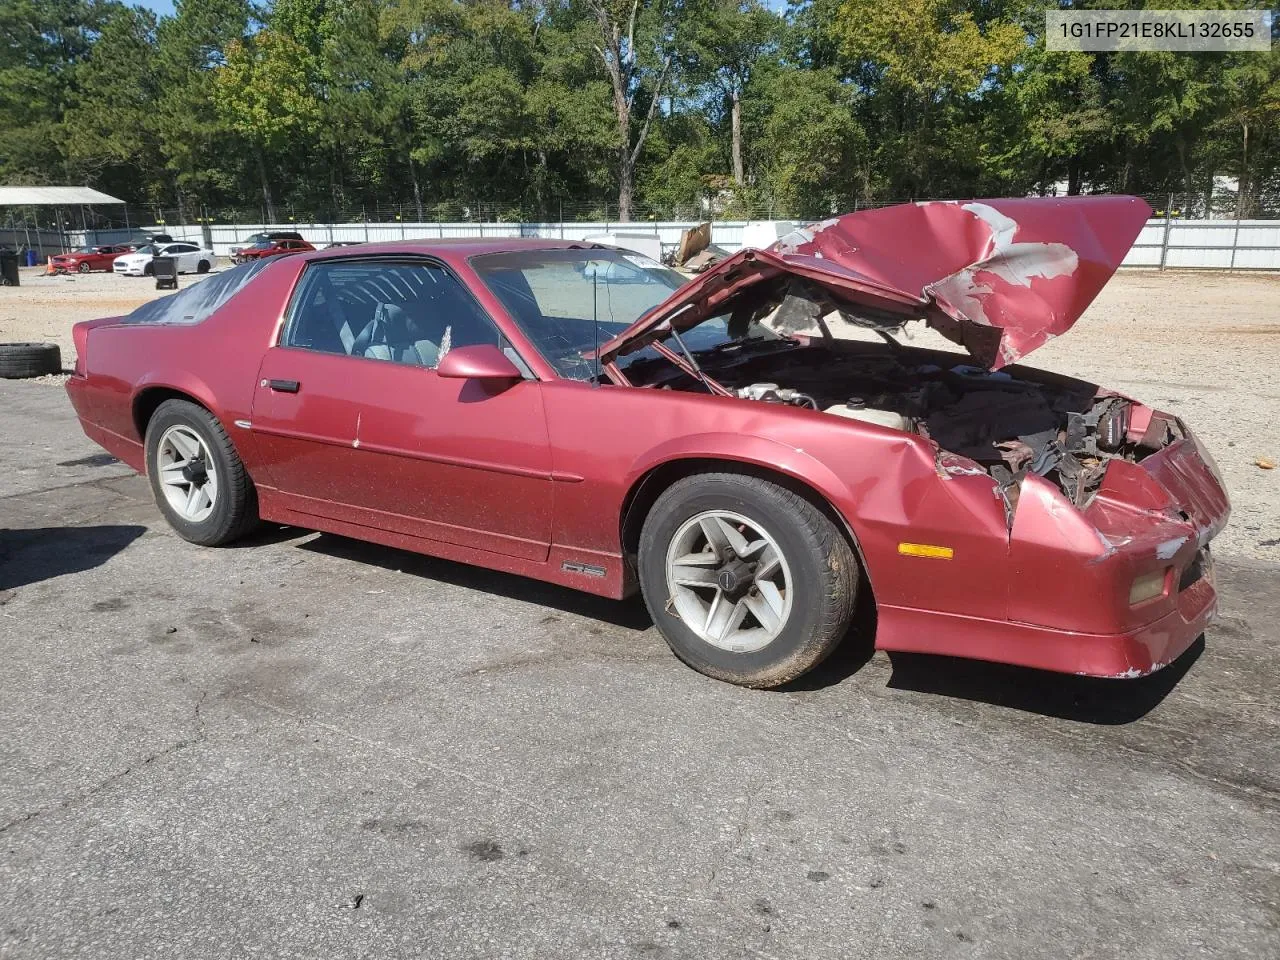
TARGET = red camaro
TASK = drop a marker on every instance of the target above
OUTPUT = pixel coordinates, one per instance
(754, 450)
(86, 259)
(270, 248)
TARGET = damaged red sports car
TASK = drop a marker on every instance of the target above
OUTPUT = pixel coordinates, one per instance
(754, 450)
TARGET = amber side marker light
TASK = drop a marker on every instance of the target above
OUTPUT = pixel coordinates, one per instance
(925, 550)
(1148, 587)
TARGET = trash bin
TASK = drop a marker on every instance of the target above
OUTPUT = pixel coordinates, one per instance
(9, 268)
(165, 270)
(32, 258)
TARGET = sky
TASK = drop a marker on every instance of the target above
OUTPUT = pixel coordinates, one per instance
(162, 7)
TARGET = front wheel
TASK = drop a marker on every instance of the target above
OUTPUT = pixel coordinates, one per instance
(148, 270)
(197, 478)
(747, 581)
(84, 268)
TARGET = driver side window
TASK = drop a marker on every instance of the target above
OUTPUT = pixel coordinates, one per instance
(412, 313)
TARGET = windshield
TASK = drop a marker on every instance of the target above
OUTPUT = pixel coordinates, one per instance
(554, 296)
(149, 248)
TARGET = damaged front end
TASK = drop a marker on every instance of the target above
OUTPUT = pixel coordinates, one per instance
(1005, 424)
(1108, 505)
(999, 277)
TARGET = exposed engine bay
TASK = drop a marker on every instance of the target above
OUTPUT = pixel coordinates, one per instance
(1010, 422)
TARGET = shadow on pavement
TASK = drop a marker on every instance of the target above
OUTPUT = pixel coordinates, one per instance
(30, 555)
(629, 614)
(1068, 697)
(1081, 699)
(268, 533)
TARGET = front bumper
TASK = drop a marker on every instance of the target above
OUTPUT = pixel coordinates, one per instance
(130, 270)
(1134, 653)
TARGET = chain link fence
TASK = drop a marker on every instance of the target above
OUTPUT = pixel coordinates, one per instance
(1215, 229)
(1219, 204)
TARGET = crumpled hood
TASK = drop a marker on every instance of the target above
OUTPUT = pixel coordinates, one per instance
(998, 277)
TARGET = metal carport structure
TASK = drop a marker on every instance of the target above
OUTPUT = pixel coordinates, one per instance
(60, 198)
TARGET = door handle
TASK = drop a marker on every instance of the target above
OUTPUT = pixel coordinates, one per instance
(284, 386)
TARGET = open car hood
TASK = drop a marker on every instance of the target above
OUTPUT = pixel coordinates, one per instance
(998, 277)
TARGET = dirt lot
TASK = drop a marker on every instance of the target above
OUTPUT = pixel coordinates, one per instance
(1203, 346)
(303, 746)
(307, 747)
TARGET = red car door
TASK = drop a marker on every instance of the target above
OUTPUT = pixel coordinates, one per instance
(355, 425)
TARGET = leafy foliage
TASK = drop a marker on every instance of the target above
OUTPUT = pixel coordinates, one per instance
(610, 107)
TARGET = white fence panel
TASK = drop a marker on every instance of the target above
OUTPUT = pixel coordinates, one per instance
(1186, 244)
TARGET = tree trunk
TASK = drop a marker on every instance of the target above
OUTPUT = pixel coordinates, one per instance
(1073, 177)
(1242, 182)
(1188, 188)
(735, 115)
(266, 188)
(626, 185)
(417, 190)
(182, 210)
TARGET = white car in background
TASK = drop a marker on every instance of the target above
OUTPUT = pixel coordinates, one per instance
(191, 259)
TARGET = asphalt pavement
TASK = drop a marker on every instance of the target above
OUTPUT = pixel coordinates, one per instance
(305, 746)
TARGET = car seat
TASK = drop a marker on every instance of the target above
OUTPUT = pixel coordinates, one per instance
(392, 335)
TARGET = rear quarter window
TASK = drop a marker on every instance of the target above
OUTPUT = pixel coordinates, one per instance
(198, 301)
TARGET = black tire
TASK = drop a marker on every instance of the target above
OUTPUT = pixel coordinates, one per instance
(202, 266)
(21, 360)
(84, 268)
(823, 566)
(235, 510)
(148, 270)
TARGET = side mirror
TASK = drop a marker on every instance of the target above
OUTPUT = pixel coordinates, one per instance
(481, 362)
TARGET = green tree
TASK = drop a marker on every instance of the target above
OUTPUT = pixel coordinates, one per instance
(813, 154)
(109, 130)
(721, 42)
(45, 42)
(264, 93)
(201, 153)
(632, 40)
(1250, 115)
(924, 65)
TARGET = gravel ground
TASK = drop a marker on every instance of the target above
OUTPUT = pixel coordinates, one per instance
(307, 747)
(1205, 346)
(303, 746)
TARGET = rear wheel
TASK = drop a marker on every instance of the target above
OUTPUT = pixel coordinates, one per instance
(747, 581)
(197, 478)
(202, 266)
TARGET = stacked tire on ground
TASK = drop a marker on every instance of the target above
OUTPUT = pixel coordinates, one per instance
(21, 360)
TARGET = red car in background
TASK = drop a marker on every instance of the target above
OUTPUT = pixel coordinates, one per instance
(754, 451)
(270, 248)
(88, 259)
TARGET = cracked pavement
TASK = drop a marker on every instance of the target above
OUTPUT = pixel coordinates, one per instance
(311, 747)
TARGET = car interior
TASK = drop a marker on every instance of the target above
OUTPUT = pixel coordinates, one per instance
(406, 313)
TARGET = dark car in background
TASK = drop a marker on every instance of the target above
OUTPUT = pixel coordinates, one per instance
(147, 239)
(271, 248)
(263, 236)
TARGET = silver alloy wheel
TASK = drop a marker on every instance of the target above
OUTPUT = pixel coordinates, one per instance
(187, 474)
(729, 581)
